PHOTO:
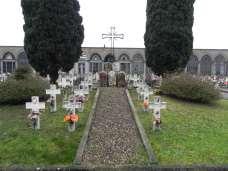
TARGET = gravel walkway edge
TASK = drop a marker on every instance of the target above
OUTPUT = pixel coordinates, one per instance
(141, 130)
(81, 148)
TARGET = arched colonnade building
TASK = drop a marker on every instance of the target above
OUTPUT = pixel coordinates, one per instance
(132, 60)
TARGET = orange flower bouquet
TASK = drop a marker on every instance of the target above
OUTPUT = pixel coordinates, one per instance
(71, 118)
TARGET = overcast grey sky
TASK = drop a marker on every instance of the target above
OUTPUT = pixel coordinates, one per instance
(129, 16)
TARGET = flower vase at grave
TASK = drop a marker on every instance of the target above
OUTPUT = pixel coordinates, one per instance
(146, 104)
(35, 120)
(72, 119)
(71, 126)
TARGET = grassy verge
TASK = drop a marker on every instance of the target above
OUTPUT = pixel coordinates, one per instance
(52, 145)
(191, 133)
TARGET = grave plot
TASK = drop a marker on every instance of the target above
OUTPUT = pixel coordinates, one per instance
(113, 137)
(52, 144)
(190, 133)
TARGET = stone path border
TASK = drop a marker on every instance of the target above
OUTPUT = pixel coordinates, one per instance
(141, 130)
(84, 139)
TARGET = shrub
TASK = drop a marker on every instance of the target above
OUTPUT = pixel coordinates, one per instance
(190, 88)
(14, 91)
(22, 73)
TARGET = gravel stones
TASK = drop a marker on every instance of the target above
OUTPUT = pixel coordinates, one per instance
(113, 138)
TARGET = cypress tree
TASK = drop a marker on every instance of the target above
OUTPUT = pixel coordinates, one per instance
(53, 35)
(168, 37)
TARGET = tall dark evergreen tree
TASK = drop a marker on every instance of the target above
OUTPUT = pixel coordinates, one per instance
(168, 37)
(53, 35)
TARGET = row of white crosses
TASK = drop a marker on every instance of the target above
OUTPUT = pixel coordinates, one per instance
(3, 77)
(157, 105)
(35, 106)
(143, 91)
(135, 79)
(65, 82)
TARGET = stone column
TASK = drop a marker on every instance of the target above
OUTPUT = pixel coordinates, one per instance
(1, 68)
(199, 69)
(87, 67)
(225, 68)
(76, 68)
(102, 66)
(222, 68)
(130, 67)
(213, 72)
(185, 70)
(144, 70)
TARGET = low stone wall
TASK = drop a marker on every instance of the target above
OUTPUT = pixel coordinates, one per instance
(127, 168)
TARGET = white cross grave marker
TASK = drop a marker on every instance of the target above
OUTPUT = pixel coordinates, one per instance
(157, 105)
(53, 92)
(84, 87)
(64, 83)
(35, 107)
(71, 106)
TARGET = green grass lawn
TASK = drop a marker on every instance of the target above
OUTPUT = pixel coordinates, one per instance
(52, 145)
(191, 133)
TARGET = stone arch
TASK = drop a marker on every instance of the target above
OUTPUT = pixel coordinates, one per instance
(192, 66)
(108, 60)
(95, 63)
(124, 57)
(8, 56)
(8, 63)
(95, 57)
(206, 65)
(138, 64)
(125, 63)
(138, 57)
(220, 65)
(22, 59)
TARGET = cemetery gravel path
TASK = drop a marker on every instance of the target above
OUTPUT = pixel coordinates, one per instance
(113, 137)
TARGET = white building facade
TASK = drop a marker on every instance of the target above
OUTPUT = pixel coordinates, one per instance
(131, 60)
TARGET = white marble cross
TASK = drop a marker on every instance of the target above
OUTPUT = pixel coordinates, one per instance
(64, 83)
(72, 105)
(157, 105)
(53, 92)
(84, 87)
(3, 77)
(146, 94)
(79, 92)
(35, 107)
